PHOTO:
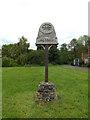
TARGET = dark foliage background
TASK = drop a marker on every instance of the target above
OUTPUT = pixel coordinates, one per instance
(19, 54)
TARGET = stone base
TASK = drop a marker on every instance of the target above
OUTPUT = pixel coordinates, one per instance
(46, 92)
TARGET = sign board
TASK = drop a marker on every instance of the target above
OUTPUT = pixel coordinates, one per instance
(46, 35)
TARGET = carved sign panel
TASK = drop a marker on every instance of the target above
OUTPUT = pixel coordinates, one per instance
(46, 28)
(46, 34)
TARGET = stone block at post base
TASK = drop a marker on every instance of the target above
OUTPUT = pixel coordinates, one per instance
(46, 92)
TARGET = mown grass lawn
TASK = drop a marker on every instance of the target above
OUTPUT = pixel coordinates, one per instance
(0, 92)
(19, 90)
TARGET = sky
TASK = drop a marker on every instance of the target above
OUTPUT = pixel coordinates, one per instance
(24, 17)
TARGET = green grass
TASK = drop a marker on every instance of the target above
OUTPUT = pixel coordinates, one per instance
(0, 62)
(0, 92)
(19, 90)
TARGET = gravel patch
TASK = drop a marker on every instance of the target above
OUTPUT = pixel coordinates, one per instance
(76, 67)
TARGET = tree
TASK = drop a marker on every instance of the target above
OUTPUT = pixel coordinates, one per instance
(83, 43)
(22, 59)
(73, 46)
(64, 47)
(8, 62)
(39, 47)
(54, 55)
(36, 57)
(23, 45)
(7, 50)
(78, 46)
(20, 48)
(64, 54)
(16, 49)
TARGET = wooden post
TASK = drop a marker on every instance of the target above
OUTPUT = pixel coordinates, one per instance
(46, 63)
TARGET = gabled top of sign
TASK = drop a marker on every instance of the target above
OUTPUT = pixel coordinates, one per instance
(46, 35)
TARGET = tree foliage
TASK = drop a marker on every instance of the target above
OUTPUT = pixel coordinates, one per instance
(54, 55)
(20, 54)
(14, 50)
(8, 62)
(36, 57)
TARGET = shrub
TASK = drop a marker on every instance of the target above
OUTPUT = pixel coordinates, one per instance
(13, 62)
(72, 63)
(22, 59)
(81, 62)
(88, 64)
(8, 62)
(36, 57)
